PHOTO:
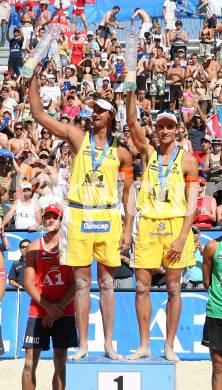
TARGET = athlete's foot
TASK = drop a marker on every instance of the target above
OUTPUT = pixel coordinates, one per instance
(111, 354)
(169, 354)
(82, 353)
(140, 353)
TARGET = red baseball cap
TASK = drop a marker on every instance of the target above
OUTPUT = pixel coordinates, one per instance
(54, 209)
(7, 72)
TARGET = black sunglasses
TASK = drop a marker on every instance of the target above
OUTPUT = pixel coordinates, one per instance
(23, 246)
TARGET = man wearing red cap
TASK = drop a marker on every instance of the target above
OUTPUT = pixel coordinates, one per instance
(50, 285)
(92, 223)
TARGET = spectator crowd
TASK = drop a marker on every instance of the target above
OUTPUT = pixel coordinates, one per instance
(35, 167)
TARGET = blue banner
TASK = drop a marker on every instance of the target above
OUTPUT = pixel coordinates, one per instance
(126, 336)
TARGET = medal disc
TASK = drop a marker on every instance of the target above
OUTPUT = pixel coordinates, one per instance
(93, 177)
(162, 195)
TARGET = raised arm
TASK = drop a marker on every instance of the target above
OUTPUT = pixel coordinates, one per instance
(137, 133)
(72, 134)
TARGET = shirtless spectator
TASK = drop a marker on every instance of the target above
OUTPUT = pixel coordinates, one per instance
(147, 45)
(206, 39)
(15, 145)
(211, 67)
(3, 141)
(102, 69)
(158, 68)
(216, 85)
(143, 103)
(193, 67)
(176, 76)
(27, 19)
(90, 44)
(201, 155)
(9, 102)
(8, 79)
(43, 14)
(109, 20)
(169, 16)
(145, 19)
(142, 72)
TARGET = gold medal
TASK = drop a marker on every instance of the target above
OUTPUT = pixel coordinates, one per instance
(161, 196)
(94, 177)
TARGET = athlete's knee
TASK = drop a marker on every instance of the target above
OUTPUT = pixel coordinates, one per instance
(142, 288)
(106, 283)
(59, 364)
(82, 283)
(30, 366)
(174, 288)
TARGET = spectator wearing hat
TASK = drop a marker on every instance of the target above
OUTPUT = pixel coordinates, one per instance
(178, 39)
(8, 79)
(214, 162)
(202, 154)
(103, 69)
(79, 10)
(51, 90)
(147, 45)
(197, 129)
(72, 105)
(206, 208)
(8, 102)
(26, 210)
(45, 178)
(51, 106)
(90, 44)
(77, 48)
(4, 18)
(43, 14)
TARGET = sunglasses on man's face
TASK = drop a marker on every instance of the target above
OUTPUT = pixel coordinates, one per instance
(26, 190)
(24, 247)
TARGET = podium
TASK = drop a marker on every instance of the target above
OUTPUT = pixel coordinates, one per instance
(100, 373)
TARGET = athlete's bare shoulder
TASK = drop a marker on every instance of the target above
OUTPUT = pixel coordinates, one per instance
(210, 248)
(124, 154)
(34, 246)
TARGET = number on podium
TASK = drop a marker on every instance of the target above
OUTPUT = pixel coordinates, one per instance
(119, 382)
(122, 380)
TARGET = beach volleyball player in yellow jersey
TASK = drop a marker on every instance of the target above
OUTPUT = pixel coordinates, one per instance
(166, 205)
(91, 226)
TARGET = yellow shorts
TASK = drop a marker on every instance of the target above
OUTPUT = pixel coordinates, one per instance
(153, 240)
(90, 234)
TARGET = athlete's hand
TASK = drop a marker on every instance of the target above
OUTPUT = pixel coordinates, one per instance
(53, 310)
(175, 251)
(125, 241)
(47, 321)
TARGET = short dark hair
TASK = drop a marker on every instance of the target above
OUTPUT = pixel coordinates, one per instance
(116, 7)
(18, 124)
(155, 18)
(136, 9)
(22, 242)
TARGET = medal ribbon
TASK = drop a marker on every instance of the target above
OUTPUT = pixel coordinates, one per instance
(96, 163)
(163, 178)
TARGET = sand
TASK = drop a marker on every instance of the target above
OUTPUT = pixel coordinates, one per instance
(190, 375)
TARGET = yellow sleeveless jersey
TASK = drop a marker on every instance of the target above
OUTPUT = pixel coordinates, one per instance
(154, 203)
(99, 187)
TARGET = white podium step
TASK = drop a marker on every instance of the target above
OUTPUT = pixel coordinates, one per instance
(100, 373)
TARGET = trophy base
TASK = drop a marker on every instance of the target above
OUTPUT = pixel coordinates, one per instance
(27, 72)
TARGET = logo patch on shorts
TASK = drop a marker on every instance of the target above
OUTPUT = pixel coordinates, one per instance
(95, 226)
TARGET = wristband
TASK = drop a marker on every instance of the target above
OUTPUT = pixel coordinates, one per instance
(192, 179)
